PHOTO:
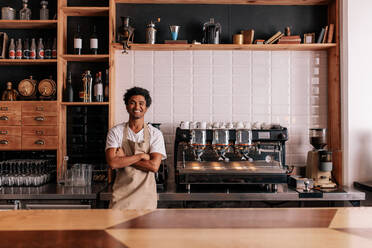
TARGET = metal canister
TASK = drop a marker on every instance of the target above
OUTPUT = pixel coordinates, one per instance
(150, 33)
(8, 13)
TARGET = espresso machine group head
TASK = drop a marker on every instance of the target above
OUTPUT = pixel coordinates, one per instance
(319, 160)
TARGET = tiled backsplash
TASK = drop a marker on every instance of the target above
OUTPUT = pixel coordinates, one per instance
(285, 87)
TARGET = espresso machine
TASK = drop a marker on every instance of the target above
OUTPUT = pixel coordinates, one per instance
(230, 154)
(319, 160)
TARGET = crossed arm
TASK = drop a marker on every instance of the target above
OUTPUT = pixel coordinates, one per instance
(116, 159)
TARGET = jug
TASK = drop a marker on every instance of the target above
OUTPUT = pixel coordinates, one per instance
(211, 32)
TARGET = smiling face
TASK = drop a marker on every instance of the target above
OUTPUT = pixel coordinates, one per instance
(136, 107)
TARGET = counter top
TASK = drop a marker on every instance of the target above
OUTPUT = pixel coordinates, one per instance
(285, 227)
(52, 192)
(283, 194)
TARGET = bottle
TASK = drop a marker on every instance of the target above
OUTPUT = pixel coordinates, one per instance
(33, 49)
(9, 94)
(94, 41)
(12, 49)
(54, 49)
(86, 92)
(25, 12)
(48, 49)
(40, 49)
(69, 93)
(78, 41)
(44, 11)
(98, 88)
(107, 88)
(19, 53)
(26, 49)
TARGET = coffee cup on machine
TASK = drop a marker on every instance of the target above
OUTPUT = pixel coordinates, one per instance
(185, 125)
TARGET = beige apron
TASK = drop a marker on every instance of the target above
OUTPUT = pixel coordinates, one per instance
(133, 188)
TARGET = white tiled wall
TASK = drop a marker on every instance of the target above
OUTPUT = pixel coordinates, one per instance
(285, 87)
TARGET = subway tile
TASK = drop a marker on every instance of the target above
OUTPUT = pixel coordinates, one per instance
(182, 70)
(202, 61)
(202, 70)
(241, 105)
(182, 61)
(261, 110)
(222, 89)
(202, 85)
(261, 58)
(182, 53)
(298, 109)
(259, 118)
(243, 71)
(182, 81)
(259, 99)
(162, 118)
(242, 117)
(161, 105)
(197, 53)
(182, 104)
(280, 96)
(222, 60)
(222, 105)
(162, 80)
(280, 109)
(222, 71)
(202, 105)
(242, 58)
(145, 59)
(202, 117)
(283, 120)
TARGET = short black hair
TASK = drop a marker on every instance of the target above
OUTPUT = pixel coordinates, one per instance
(137, 91)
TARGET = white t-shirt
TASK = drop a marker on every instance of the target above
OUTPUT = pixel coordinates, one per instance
(115, 138)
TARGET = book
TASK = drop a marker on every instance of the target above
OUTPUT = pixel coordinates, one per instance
(270, 40)
(259, 41)
(321, 35)
(248, 36)
(330, 33)
(292, 37)
(175, 41)
(325, 35)
(276, 39)
(289, 42)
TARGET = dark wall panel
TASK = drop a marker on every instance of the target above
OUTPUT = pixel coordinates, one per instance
(34, 5)
(265, 20)
(88, 3)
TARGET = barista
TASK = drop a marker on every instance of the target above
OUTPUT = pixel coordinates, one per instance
(135, 149)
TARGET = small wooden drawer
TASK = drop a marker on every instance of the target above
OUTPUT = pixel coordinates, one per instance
(39, 108)
(39, 143)
(10, 119)
(40, 130)
(10, 131)
(39, 120)
(10, 143)
(6, 107)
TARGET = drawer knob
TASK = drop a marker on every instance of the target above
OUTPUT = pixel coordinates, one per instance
(39, 132)
(4, 118)
(39, 108)
(39, 142)
(3, 132)
(39, 118)
(4, 142)
(4, 108)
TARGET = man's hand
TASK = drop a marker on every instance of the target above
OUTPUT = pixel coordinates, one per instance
(145, 156)
(149, 165)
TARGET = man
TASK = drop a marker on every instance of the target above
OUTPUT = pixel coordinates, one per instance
(135, 150)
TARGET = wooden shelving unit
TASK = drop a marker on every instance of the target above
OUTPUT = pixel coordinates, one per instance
(86, 11)
(270, 47)
(86, 58)
(28, 61)
(31, 24)
(251, 2)
(83, 103)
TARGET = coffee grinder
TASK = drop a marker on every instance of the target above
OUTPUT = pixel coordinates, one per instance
(319, 160)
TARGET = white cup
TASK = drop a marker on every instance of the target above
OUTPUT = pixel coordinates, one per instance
(192, 125)
(239, 125)
(185, 125)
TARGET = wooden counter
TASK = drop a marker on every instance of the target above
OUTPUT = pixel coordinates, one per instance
(291, 227)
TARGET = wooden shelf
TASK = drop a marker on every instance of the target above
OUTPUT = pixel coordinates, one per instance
(31, 24)
(171, 47)
(83, 103)
(251, 2)
(86, 58)
(27, 61)
(33, 101)
(86, 11)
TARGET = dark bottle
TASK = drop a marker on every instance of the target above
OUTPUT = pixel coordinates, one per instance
(12, 52)
(26, 49)
(78, 41)
(69, 92)
(98, 88)
(19, 52)
(48, 49)
(33, 49)
(40, 49)
(54, 49)
(94, 41)
(107, 88)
